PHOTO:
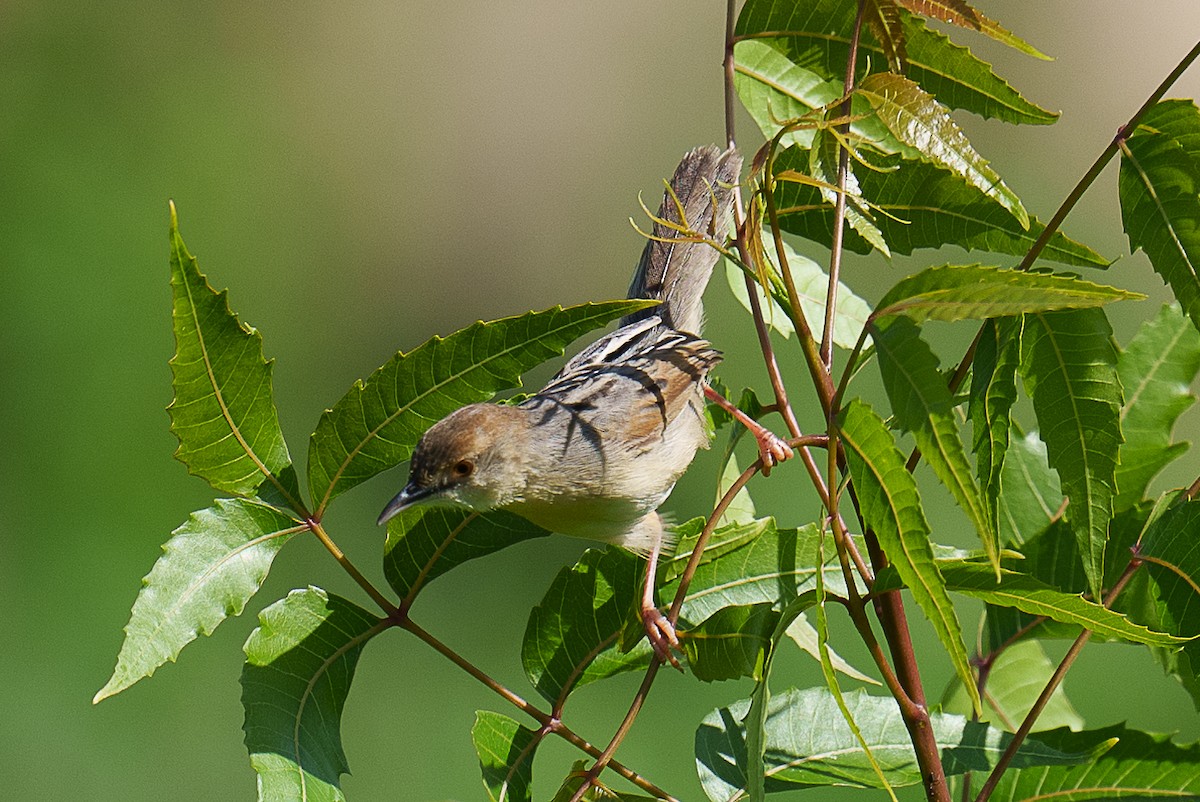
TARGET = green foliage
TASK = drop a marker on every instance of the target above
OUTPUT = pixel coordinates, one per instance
(505, 750)
(993, 393)
(1015, 679)
(299, 666)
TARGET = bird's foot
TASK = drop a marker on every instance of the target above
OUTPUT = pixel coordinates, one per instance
(661, 634)
(772, 449)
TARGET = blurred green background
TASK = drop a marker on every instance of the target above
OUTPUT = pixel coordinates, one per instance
(363, 176)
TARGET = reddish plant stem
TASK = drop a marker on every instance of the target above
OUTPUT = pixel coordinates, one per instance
(1055, 679)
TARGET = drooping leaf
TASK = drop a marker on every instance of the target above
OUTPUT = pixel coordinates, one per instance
(223, 412)
(1069, 365)
(1139, 766)
(883, 19)
(1159, 189)
(1172, 592)
(922, 404)
(209, 569)
(804, 635)
(1014, 682)
(958, 12)
(375, 426)
(424, 542)
(1035, 597)
(824, 165)
(300, 662)
(731, 643)
(741, 510)
(811, 282)
(1157, 370)
(917, 119)
(891, 507)
(977, 292)
(1031, 496)
(809, 745)
(920, 205)
(993, 392)
(505, 750)
(817, 36)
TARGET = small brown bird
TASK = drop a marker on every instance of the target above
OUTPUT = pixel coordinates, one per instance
(598, 449)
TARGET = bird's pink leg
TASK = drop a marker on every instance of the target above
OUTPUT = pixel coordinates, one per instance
(772, 449)
(659, 630)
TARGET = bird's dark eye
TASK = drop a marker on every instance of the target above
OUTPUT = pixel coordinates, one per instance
(463, 468)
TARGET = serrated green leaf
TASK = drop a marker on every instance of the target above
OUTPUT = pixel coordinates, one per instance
(1172, 589)
(922, 404)
(731, 643)
(823, 165)
(505, 750)
(891, 507)
(1159, 190)
(817, 36)
(917, 119)
(811, 283)
(809, 745)
(1015, 680)
(1069, 365)
(1035, 597)
(977, 292)
(993, 393)
(958, 12)
(424, 542)
(300, 662)
(920, 205)
(223, 412)
(1031, 496)
(1139, 766)
(1157, 370)
(375, 426)
(209, 569)
(882, 18)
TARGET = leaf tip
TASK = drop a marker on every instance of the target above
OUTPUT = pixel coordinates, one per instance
(174, 216)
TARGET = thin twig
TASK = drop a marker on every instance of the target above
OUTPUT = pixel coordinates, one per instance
(349, 567)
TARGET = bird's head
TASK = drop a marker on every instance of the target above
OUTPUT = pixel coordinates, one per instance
(475, 457)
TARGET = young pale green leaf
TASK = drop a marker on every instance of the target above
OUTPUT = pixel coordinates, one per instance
(209, 569)
(300, 662)
(1159, 190)
(817, 35)
(1035, 597)
(1138, 767)
(917, 119)
(1069, 365)
(572, 634)
(977, 292)
(1031, 496)
(505, 750)
(891, 507)
(920, 205)
(223, 412)
(1173, 588)
(1014, 682)
(809, 745)
(424, 542)
(922, 404)
(993, 392)
(731, 643)
(375, 426)
(741, 510)
(823, 165)
(958, 12)
(804, 635)
(811, 282)
(1156, 370)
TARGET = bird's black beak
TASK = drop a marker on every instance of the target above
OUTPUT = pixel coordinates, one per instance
(410, 495)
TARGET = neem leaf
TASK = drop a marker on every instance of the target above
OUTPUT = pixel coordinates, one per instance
(891, 507)
(223, 412)
(977, 292)
(1156, 370)
(209, 569)
(1014, 682)
(1031, 495)
(922, 404)
(993, 393)
(1173, 565)
(817, 36)
(731, 643)
(960, 13)
(299, 665)
(505, 750)
(424, 542)
(917, 119)
(810, 745)
(1069, 365)
(375, 426)
(1159, 189)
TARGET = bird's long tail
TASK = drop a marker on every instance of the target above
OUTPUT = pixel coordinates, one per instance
(672, 268)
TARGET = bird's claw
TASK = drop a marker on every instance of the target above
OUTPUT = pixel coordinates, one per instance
(772, 449)
(661, 634)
